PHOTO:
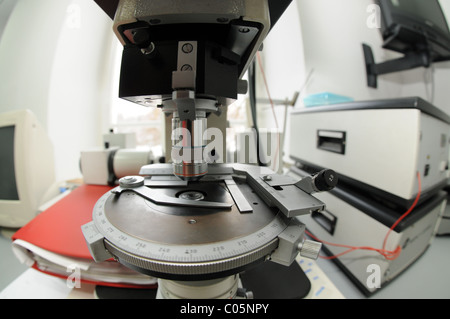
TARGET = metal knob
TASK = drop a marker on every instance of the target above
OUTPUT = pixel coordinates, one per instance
(325, 180)
(310, 249)
(131, 181)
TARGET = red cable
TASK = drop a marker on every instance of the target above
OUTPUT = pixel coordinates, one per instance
(389, 255)
(408, 212)
(263, 73)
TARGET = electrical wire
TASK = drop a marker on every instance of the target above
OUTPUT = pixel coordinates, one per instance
(388, 254)
(273, 109)
(252, 98)
(429, 79)
(263, 73)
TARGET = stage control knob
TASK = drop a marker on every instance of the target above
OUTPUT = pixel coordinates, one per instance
(325, 180)
(310, 249)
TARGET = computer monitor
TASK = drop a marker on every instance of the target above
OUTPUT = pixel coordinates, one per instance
(411, 25)
(26, 167)
(416, 28)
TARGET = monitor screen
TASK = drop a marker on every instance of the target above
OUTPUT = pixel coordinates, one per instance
(27, 175)
(8, 186)
(416, 26)
(426, 11)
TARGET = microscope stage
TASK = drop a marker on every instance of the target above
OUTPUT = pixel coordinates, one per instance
(178, 230)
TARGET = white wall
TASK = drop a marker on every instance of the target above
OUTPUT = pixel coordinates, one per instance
(55, 59)
(283, 56)
(6, 7)
(333, 33)
(26, 55)
(80, 84)
(327, 36)
(285, 68)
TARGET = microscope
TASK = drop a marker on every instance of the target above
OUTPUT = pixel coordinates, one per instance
(197, 223)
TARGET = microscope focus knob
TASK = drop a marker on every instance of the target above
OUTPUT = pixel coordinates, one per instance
(310, 249)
